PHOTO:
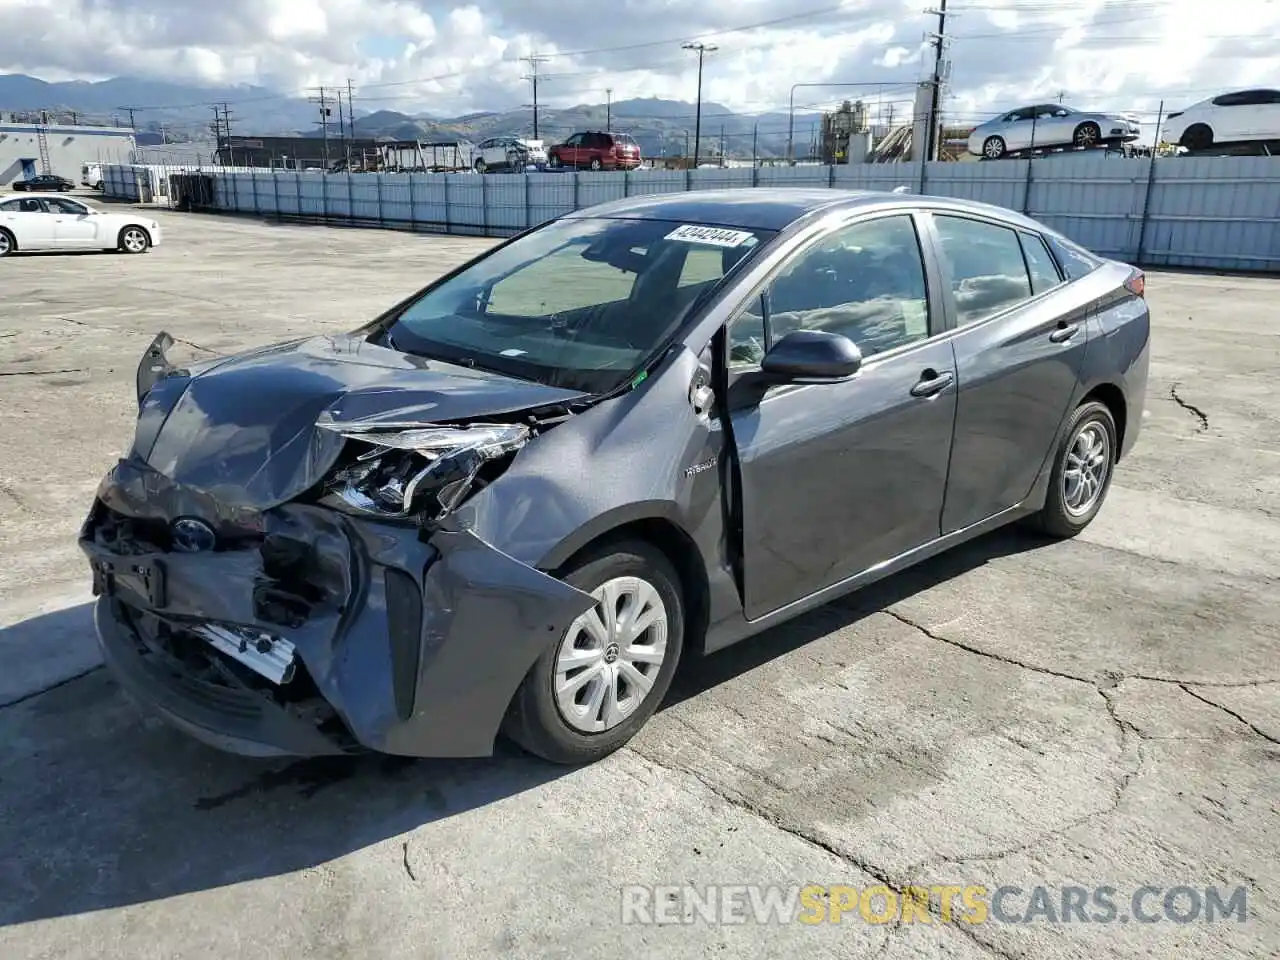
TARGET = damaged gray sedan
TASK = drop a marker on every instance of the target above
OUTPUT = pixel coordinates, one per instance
(643, 431)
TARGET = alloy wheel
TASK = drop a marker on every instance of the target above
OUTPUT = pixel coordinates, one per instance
(609, 658)
(1087, 135)
(135, 241)
(5, 245)
(1085, 473)
(993, 148)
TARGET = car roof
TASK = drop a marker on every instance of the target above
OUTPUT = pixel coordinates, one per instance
(35, 195)
(775, 208)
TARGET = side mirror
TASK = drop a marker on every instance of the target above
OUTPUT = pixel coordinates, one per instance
(812, 356)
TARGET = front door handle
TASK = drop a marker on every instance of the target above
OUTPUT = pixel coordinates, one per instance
(931, 383)
(1064, 332)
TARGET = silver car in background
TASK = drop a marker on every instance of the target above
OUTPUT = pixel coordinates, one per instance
(1050, 125)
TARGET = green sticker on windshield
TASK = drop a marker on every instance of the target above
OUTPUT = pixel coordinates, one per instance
(639, 378)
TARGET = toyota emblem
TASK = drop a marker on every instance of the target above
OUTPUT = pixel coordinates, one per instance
(191, 535)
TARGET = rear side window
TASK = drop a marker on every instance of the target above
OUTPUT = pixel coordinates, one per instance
(1040, 265)
(985, 264)
(1075, 261)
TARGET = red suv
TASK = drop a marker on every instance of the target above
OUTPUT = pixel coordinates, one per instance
(596, 151)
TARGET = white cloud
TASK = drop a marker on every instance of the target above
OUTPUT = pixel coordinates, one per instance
(442, 58)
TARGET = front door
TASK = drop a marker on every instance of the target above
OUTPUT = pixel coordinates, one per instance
(571, 151)
(73, 224)
(838, 477)
(1018, 360)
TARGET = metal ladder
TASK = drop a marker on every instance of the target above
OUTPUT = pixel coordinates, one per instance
(42, 140)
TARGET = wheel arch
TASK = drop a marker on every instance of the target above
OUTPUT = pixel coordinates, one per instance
(132, 226)
(1111, 397)
(655, 524)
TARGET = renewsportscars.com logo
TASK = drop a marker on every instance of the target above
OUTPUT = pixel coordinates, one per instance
(815, 904)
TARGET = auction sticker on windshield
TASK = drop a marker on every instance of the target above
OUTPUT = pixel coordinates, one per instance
(715, 236)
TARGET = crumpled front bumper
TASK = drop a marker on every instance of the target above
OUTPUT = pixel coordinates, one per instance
(402, 645)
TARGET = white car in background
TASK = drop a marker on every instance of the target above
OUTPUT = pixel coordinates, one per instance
(1239, 115)
(47, 221)
(510, 153)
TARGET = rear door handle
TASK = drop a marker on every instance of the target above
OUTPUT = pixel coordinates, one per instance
(1064, 332)
(931, 383)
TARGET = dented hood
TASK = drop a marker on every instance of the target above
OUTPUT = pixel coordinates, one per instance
(244, 429)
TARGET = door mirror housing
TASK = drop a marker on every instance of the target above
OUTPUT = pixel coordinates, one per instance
(812, 356)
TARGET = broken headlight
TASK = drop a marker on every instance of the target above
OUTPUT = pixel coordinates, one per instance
(409, 470)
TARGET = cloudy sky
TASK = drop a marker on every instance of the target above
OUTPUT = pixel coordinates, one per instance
(447, 58)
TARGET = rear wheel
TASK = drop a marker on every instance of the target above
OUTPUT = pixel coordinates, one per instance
(7, 243)
(1087, 135)
(481, 166)
(1081, 473)
(596, 164)
(993, 148)
(134, 240)
(591, 691)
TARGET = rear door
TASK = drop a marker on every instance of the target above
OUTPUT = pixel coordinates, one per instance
(1019, 349)
(27, 218)
(839, 477)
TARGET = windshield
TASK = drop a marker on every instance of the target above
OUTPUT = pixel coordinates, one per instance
(579, 304)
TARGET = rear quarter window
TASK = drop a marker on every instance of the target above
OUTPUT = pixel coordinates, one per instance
(1076, 262)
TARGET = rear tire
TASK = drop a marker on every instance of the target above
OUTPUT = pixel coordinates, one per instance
(632, 578)
(481, 166)
(596, 164)
(993, 148)
(1082, 471)
(7, 243)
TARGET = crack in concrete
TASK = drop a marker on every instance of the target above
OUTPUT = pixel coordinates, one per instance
(1231, 713)
(42, 373)
(49, 689)
(881, 876)
(408, 867)
(1189, 407)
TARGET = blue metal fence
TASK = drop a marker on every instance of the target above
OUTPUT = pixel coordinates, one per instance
(1217, 212)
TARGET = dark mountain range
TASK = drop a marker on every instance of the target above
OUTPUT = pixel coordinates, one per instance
(186, 112)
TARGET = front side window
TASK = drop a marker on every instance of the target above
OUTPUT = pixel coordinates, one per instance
(59, 205)
(579, 303)
(985, 266)
(864, 281)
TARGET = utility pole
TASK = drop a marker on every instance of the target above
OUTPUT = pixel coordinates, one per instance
(129, 110)
(755, 145)
(351, 118)
(322, 98)
(608, 109)
(935, 97)
(532, 76)
(226, 125)
(723, 158)
(702, 49)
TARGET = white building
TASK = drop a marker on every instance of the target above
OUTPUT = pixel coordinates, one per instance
(68, 147)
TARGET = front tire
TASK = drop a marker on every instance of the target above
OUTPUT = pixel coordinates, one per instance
(592, 690)
(481, 166)
(1198, 136)
(134, 240)
(1087, 135)
(1082, 472)
(596, 164)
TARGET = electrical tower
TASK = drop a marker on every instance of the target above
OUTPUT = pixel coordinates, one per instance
(939, 42)
(533, 78)
(322, 99)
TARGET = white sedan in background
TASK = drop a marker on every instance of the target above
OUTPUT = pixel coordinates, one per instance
(47, 221)
(1235, 117)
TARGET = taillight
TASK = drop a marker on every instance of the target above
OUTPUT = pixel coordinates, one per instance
(1137, 284)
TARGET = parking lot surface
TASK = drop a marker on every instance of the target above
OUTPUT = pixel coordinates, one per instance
(1103, 712)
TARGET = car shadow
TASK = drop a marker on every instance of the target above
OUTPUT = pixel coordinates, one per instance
(104, 807)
